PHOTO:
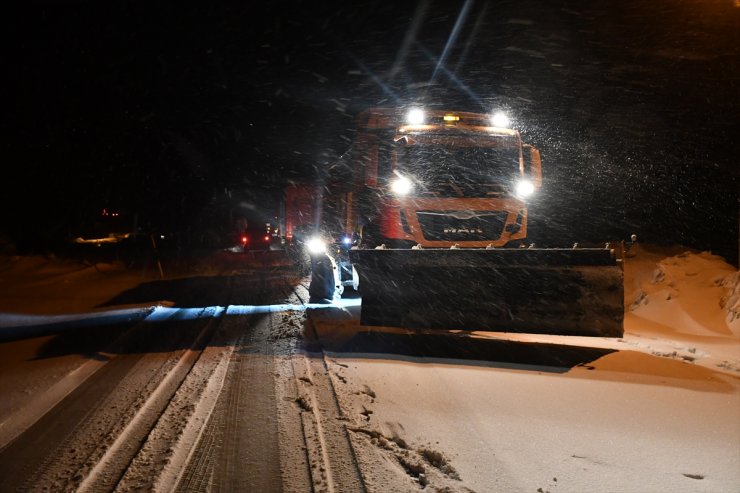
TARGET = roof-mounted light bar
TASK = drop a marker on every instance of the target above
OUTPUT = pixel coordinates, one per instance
(417, 116)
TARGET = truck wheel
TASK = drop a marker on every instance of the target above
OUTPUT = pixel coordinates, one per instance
(355, 279)
(323, 282)
(351, 290)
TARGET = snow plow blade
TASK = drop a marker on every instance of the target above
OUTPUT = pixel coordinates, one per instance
(541, 291)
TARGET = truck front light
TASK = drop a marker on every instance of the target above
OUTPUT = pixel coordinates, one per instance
(316, 246)
(524, 188)
(401, 185)
(500, 120)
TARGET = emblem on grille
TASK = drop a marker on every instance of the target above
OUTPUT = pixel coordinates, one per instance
(463, 230)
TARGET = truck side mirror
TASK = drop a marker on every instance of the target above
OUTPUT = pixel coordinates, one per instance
(367, 153)
(533, 164)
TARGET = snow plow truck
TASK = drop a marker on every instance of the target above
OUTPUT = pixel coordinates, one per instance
(426, 216)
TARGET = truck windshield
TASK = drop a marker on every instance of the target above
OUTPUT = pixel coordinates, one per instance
(471, 169)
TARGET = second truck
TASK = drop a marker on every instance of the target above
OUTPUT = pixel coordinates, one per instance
(427, 214)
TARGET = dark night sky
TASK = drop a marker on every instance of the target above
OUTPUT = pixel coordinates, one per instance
(181, 113)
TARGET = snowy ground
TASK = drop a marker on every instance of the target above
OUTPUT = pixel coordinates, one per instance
(658, 410)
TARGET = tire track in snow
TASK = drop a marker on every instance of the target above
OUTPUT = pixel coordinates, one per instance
(111, 431)
(60, 449)
(239, 449)
(112, 466)
(333, 461)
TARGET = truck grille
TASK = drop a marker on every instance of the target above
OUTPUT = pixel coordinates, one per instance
(461, 225)
(460, 189)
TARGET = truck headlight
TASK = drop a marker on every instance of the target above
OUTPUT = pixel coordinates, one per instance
(400, 185)
(415, 116)
(500, 120)
(316, 246)
(524, 188)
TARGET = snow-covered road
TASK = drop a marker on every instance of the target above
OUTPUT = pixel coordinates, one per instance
(155, 398)
(283, 396)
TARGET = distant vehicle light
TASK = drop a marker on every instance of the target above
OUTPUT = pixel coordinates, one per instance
(524, 188)
(500, 120)
(401, 185)
(267, 238)
(347, 240)
(451, 118)
(415, 117)
(244, 239)
(316, 246)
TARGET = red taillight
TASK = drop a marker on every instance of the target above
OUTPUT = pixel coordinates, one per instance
(267, 238)
(244, 239)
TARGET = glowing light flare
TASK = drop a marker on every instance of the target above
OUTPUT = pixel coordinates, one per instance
(415, 116)
(524, 188)
(500, 120)
(401, 185)
(316, 246)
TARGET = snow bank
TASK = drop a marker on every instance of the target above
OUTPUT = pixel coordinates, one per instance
(690, 293)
